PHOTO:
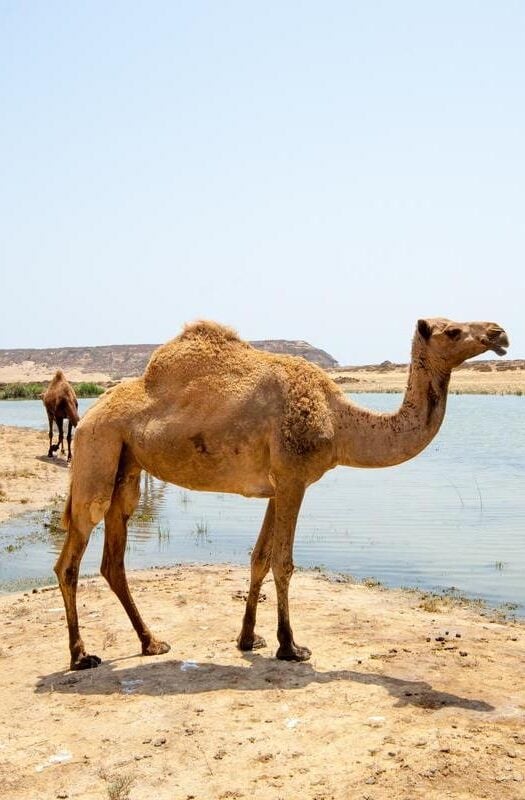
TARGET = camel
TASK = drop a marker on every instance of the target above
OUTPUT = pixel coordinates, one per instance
(61, 403)
(211, 413)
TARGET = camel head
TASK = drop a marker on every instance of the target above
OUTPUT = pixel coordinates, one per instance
(450, 343)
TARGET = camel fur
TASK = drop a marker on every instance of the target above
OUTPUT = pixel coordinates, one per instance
(212, 413)
(61, 403)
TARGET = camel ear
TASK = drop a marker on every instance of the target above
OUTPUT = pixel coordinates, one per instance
(424, 329)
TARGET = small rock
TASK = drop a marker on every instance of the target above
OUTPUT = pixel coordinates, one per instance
(159, 742)
(463, 653)
(371, 780)
(375, 722)
(61, 795)
(458, 636)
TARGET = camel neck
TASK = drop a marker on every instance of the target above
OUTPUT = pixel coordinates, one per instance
(366, 438)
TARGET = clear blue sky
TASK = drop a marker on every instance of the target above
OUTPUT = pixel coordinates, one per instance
(324, 171)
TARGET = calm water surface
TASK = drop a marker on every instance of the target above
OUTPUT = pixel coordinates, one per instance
(452, 517)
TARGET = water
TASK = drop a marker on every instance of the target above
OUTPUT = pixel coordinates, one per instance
(31, 413)
(454, 516)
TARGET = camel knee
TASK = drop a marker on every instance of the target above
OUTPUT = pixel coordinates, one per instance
(67, 574)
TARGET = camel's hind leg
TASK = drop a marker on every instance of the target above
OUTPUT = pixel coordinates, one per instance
(123, 503)
(260, 564)
(69, 429)
(67, 568)
(92, 484)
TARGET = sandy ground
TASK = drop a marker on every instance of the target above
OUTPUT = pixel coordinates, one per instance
(28, 479)
(405, 697)
(397, 701)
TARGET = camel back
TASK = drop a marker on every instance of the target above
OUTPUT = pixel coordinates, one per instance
(209, 364)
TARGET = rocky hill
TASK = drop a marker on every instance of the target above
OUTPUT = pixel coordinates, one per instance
(113, 362)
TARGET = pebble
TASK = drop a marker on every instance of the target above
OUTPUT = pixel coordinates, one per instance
(160, 741)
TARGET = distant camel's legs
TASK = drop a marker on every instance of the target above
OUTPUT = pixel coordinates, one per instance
(51, 448)
(123, 503)
(260, 564)
(287, 504)
(69, 429)
(67, 568)
(60, 426)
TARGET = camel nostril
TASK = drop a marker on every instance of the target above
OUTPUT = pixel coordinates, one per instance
(497, 334)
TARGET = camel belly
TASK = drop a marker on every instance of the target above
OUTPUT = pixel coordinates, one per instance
(206, 463)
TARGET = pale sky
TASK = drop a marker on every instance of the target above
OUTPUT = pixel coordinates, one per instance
(322, 171)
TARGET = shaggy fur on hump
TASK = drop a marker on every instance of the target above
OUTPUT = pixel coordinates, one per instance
(210, 359)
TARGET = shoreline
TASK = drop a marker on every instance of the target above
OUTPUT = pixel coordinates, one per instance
(473, 377)
(32, 483)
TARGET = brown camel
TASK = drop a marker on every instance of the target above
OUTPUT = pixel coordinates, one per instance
(214, 414)
(61, 403)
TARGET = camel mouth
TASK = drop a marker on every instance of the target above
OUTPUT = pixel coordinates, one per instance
(498, 342)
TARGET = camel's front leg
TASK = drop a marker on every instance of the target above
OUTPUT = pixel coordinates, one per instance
(60, 426)
(288, 500)
(51, 450)
(260, 564)
(69, 429)
(123, 503)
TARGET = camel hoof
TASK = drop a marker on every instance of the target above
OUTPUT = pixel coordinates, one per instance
(86, 662)
(293, 653)
(255, 643)
(155, 648)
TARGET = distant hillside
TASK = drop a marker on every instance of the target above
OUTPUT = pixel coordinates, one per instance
(113, 362)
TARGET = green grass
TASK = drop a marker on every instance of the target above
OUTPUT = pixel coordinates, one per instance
(33, 391)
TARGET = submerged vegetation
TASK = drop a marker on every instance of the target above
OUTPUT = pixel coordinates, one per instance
(33, 391)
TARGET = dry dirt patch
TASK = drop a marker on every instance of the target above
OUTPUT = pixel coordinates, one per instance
(28, 479)
(396, 702)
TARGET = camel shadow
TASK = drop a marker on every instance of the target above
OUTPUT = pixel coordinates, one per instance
(264, 674)
(57, 461)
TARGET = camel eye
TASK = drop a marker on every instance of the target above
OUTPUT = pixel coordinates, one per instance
(453, 333)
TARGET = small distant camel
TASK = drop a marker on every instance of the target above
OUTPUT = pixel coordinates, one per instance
(212, 413)
(61, 403)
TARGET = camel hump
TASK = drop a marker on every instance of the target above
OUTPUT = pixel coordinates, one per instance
(203, 348)
(208, 329)
(59, 375)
